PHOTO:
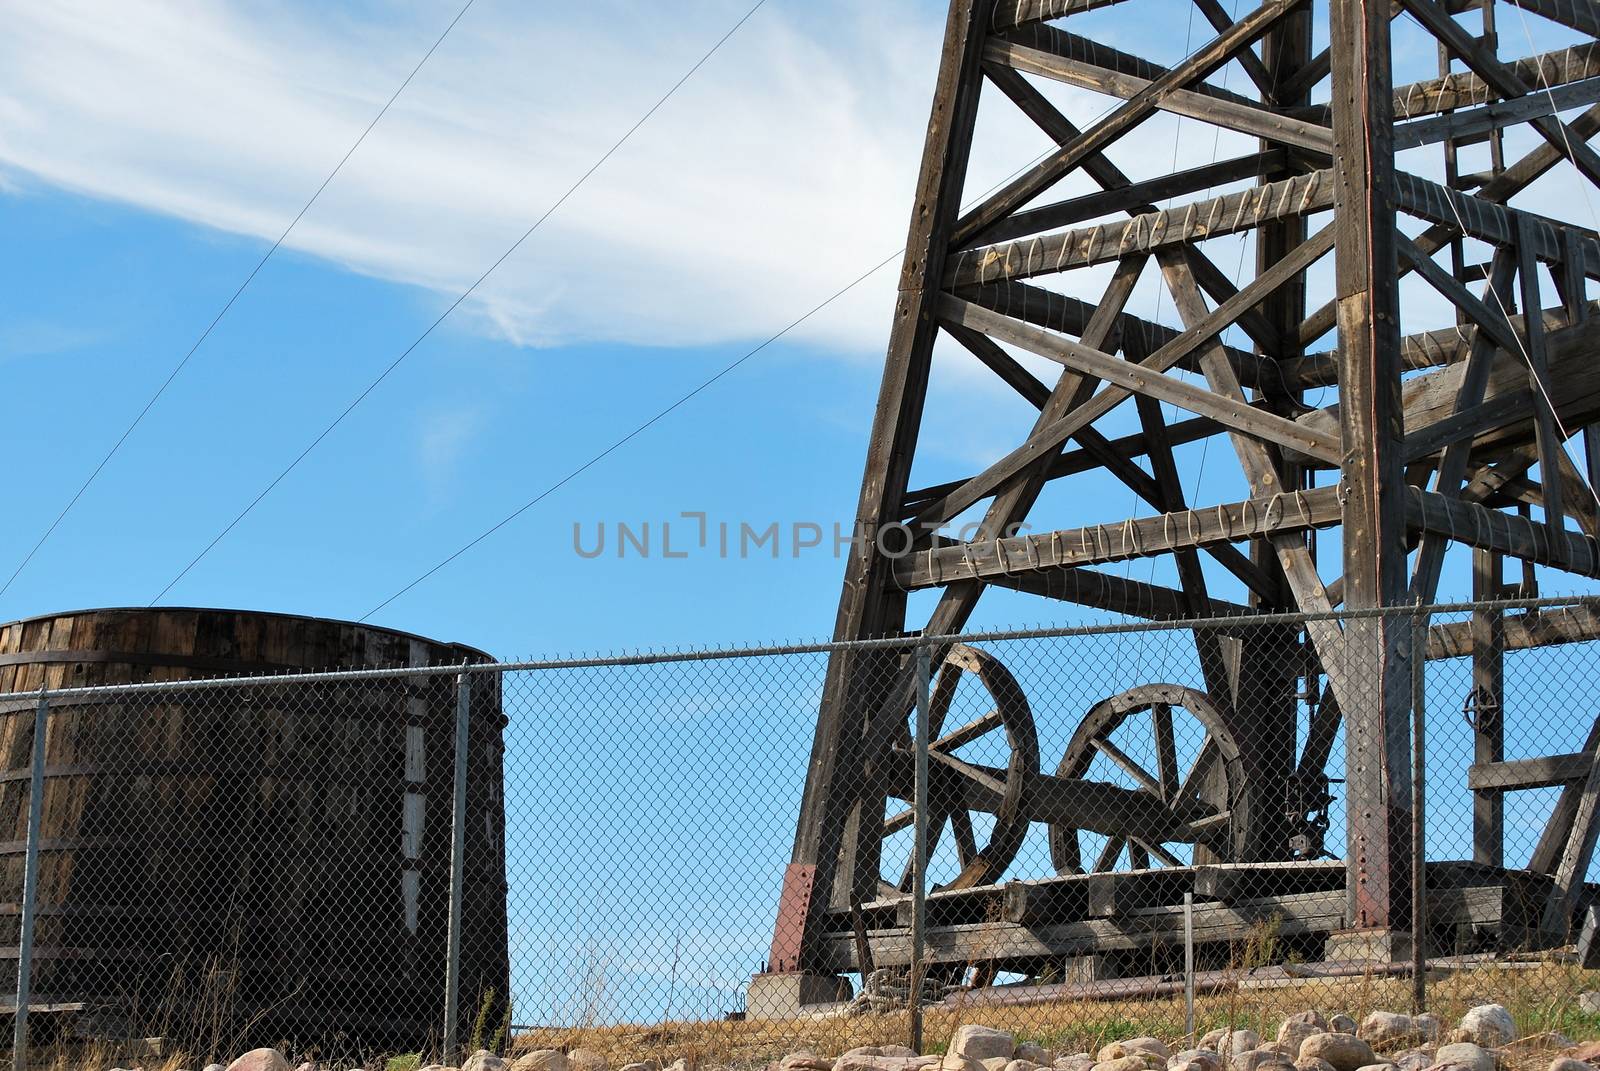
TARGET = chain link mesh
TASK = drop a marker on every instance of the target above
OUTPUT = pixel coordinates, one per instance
(1164, 831)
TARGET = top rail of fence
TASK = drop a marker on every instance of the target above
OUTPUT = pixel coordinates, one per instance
(908, 641)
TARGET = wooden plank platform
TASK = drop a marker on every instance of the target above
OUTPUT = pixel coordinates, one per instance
(1022, 925)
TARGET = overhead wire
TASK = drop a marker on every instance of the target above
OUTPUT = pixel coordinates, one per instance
(464, 295)
(696, 390)
(234, 297)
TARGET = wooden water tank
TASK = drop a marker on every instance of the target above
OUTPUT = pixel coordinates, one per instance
(268, 859)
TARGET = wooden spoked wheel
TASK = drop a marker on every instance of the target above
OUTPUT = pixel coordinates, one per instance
(1168, 741)
(951, 777)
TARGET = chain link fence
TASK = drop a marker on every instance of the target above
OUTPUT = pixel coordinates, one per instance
(1161, 831)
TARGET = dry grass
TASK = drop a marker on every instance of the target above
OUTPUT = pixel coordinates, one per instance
(1541, 996)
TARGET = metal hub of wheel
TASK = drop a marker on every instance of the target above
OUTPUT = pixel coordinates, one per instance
(1168, 741)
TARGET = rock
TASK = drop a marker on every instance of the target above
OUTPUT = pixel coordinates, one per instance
(1257, 1060)
(1488, 1026)
(1310, 1018)
(541, 1060)
(982, 1043)
(1567, 1063)
(1312, 1064)
(1117, 1050)
(1412, 1059)
(1384, 1030)
(877, 1050)
(1341, 1024)
(1293, 1031)
(1428, 1026)
(585, 1060)
(260, 1060)
(996, 1063)
(954, 1061)
(1035, 1053)
(1234, 1043)
(1465, 1056)
(1022, 1065)
(482, 1060)
(884, 1063)
(806, 1061)
(1278, 1049)
(1078, 1061)
(1589, 1003)
(1212, 1039)
(1588, 1052)
(1136, 1061)
(1384, 1066)
(1345, 1052)
(214, 1067)
(1194, 1060)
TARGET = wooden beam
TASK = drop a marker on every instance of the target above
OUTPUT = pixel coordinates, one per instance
(1246, 58)
(1366, 295)
(1496, 224)
(1296, 914)
(1464, 89)
(1039, 178)
(1425, 349)
(1580, 15)
(1573, 870)
(1102, 243)
(1140, 196)
(1500, 189)
(1209, 107)
(1047, 439)
(1137, 338)
(1009, 14)
(1558, 828)
(1519, 632)
(1118, 541)
(1505, 81)
(1115, 594)
(1546, 433)
(1495, 116)
(1135, 378)
(1429, 399)
(830, 840)
(1520, 775)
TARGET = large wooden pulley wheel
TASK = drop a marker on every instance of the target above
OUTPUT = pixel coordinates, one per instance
(1172, 743)
(962, 787)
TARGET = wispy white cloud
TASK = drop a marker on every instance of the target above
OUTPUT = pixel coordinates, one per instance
(41, 338)
(782, 169)
(443, 438)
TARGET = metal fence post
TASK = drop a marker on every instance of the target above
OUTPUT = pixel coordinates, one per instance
(1188, 966)
(458, 854)
(1419, 849)
(30, 889)
(919, 848)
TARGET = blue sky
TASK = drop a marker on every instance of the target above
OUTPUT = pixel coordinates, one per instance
(147, 159)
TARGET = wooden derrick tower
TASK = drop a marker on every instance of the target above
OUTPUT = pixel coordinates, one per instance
(1392, 435)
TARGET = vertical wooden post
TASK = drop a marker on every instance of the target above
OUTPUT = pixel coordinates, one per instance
(919, 848)
(1419, 785)
(1265, 685)
(1368, 312)
(836, 838)
(1488, 707)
